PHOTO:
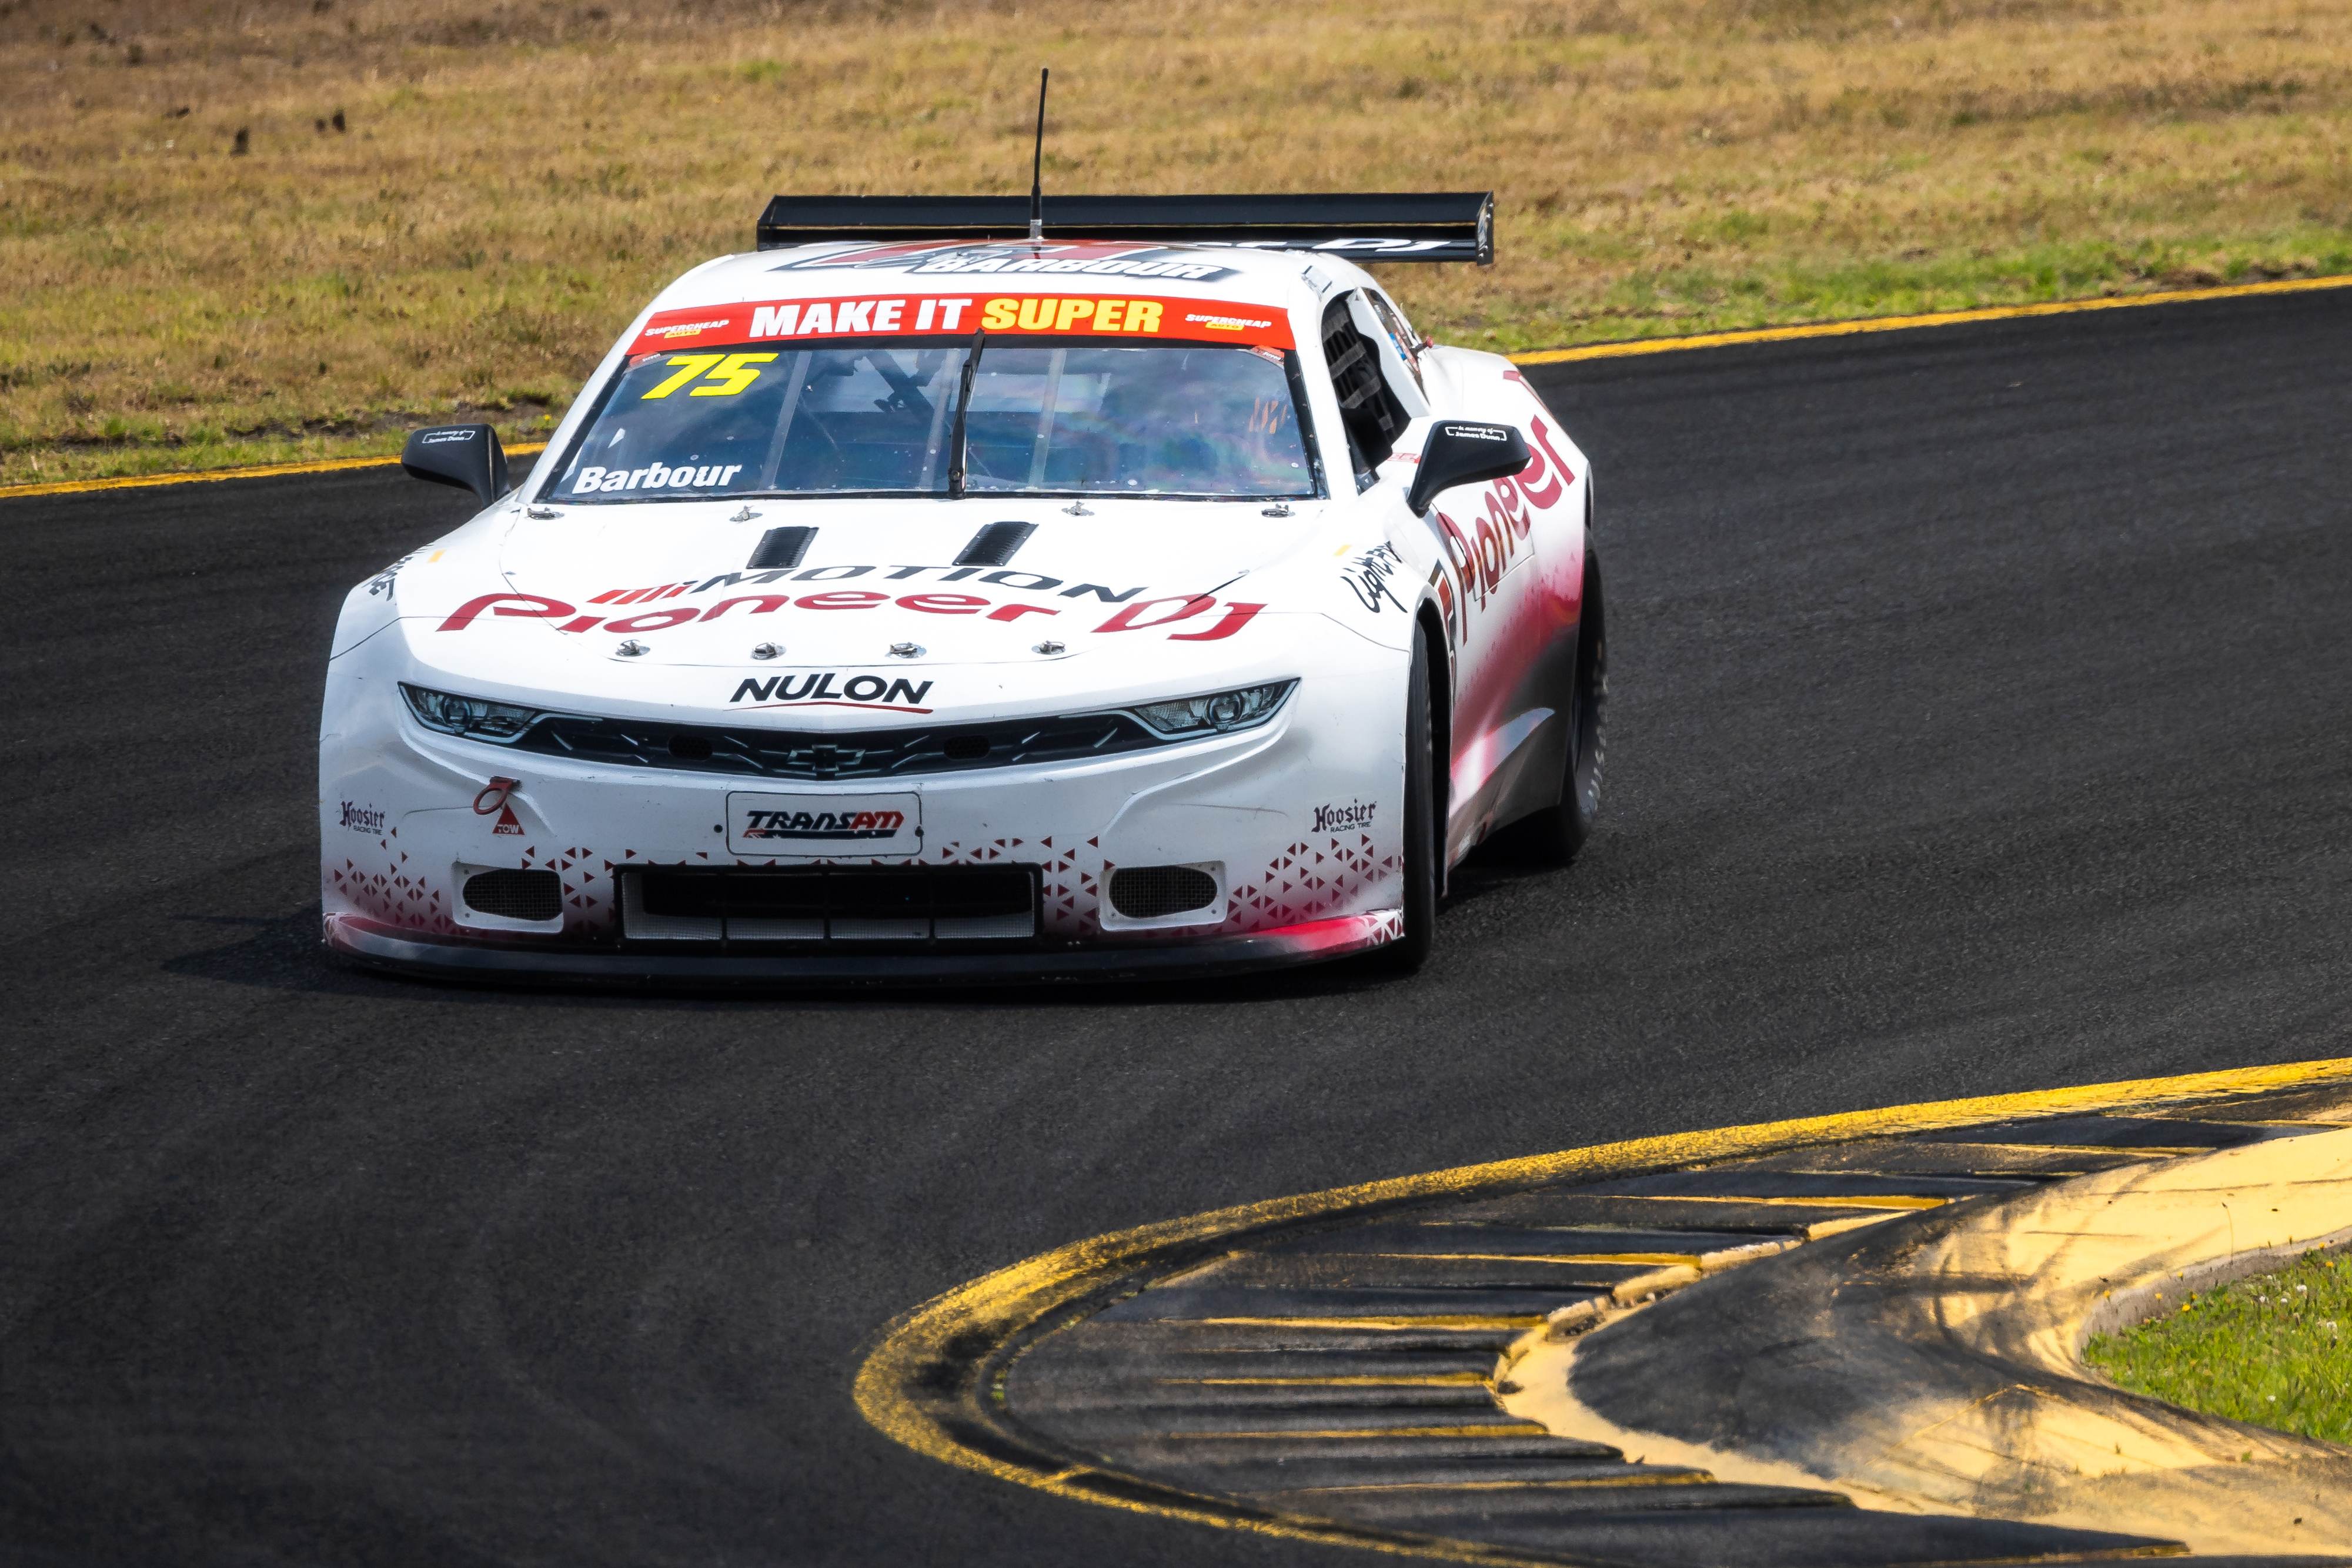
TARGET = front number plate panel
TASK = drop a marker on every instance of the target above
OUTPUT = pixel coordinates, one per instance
(830, 826)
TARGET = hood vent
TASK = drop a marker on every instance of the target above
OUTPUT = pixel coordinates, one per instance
(782, 548)
(996, 544)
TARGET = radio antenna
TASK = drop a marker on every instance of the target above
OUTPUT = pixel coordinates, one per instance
(1037, 166)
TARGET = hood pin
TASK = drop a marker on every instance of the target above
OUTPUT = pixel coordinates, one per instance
(1047, 648)
(1079, 509)
(767, 651)
(632, 648)
(541, 513)
(745, 516)
(1277, 510)
(905, 651)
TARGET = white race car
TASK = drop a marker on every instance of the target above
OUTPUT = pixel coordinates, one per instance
(917, 597)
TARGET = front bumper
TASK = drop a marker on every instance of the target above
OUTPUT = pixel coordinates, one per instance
(403, 839)
(443, 957)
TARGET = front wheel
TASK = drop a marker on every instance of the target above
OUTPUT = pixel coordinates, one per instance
(1408, 952)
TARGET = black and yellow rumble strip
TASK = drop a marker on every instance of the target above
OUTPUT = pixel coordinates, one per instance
(1321, 1367)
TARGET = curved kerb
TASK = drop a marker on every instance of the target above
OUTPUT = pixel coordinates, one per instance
(935, 1380)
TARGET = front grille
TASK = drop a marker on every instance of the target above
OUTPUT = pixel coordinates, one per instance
(828, 904)
(515, 894)
(1149, 892)
(755, 753)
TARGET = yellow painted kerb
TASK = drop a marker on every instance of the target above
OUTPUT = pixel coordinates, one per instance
(211, 475)
(909, 1386)
(1939, 318)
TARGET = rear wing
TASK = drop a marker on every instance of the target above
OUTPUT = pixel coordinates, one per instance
(1450, 226)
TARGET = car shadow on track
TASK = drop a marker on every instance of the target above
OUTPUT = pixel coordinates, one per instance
(287, 955)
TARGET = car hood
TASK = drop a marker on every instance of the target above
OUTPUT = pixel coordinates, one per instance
(656, 610)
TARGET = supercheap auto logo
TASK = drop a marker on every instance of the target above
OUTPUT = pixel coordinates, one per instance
(1228, 323)
(823, 824)
(677, 329)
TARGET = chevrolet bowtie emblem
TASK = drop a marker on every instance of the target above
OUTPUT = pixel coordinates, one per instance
(827, 758)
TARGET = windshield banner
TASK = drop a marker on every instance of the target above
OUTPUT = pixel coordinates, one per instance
(959, 314)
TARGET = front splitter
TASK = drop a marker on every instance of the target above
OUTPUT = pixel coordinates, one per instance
(446, 958)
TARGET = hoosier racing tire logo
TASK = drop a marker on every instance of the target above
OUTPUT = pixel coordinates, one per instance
(823, 824)
(1336, 818)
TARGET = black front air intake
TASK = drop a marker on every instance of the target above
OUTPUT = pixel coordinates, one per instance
(831, 904)
(1400, 226)
(515, 894)
(1149, 891)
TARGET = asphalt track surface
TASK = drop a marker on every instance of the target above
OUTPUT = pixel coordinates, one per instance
(1976, 724)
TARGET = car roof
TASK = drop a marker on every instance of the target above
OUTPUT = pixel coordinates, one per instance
(1268, 278)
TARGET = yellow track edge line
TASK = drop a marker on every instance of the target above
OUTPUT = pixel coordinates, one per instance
(1907, 323)
(213, 475)
(925, 1385)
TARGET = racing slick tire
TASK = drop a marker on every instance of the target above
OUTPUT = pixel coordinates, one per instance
(1554, 835)
(1408, 952)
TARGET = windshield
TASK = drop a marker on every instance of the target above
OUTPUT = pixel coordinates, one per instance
(1046, 417)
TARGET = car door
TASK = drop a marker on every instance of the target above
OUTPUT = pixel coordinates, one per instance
(1480, 548)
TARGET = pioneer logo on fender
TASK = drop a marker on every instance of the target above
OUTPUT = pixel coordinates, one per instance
(1340, 819)
(823, 824)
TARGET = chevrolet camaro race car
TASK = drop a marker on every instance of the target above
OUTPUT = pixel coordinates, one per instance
(920, 598)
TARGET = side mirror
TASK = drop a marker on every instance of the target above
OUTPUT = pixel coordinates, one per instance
(466, 455)
(1461, 454)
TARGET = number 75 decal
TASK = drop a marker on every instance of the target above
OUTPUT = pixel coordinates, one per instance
(732, 374)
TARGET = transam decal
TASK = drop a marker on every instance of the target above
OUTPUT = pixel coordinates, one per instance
(815, 820)
(1060, 315)
(823, 824)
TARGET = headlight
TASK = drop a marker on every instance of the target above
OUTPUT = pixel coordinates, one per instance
(1243, 709)
(473, 717)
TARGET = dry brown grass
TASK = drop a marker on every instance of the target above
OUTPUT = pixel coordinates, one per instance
(515, 178)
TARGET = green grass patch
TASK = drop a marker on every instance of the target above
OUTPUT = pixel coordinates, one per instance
(2269, 1349)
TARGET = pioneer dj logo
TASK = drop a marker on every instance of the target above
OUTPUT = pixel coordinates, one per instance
(823, 824)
